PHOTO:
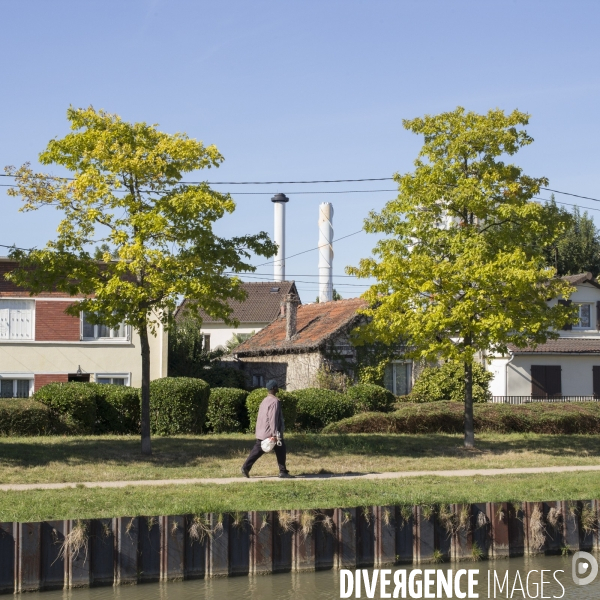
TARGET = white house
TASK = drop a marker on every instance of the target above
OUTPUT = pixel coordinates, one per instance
(262, 306)
(566, 367)
(40, 344)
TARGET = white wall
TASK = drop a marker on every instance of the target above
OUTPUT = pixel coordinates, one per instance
(220, 333)
(576, 374)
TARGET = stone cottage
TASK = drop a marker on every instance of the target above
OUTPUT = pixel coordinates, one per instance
(295, 346)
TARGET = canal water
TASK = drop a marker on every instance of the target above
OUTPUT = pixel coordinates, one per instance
(325, 585)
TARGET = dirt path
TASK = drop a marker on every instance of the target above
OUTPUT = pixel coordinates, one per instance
(228, 480)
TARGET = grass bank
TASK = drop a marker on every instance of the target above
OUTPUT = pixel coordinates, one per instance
(38, 505)
(109, 458)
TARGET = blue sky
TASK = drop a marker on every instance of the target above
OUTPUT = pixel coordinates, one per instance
(302, 91)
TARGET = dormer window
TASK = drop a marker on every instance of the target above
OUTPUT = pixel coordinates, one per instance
(584, 320)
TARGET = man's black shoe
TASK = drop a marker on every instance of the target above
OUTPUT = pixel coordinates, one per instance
(245, 472)
(285, 476)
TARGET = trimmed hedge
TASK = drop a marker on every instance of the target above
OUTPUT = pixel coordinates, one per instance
(369, 397)
(288, 406)
(318, 407)
(74, 402)
(117, 408)
(178, 405)
(24, 416)
(227, 412)
(448, 417)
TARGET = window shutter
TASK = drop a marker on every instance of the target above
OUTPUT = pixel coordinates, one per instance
(20, 324)
(15, 324)
(568, 326)
(596, 380)
(26, 327)
(538, 380)
(4, 324)
(553, 381)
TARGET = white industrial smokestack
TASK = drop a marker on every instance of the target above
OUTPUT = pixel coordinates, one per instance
(325, 252)
(279, 200)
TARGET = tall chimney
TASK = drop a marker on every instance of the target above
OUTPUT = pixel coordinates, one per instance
(291, 314)
(325, 252)
(279, 200)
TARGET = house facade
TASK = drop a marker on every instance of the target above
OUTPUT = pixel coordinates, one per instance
(566, 367)
(40, 344)
(261, 307)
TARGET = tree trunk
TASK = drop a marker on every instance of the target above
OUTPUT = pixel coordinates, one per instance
(469, 428)
(145, 417)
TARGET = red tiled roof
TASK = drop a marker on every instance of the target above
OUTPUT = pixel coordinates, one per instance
(563, 345)
(316, 323)
(263, 304)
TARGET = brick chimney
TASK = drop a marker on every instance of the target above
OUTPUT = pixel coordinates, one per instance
(291, 313)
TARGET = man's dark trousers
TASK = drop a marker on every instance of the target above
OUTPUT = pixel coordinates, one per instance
(257, 452)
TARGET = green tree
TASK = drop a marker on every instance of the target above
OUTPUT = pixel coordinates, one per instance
(236, 339)
(103, 251)
(335, 296)
(187, 355)
(126, 191)
(577, 250)
(457, 274)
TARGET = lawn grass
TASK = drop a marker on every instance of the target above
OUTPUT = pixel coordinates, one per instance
(82, 503)
(108, 458)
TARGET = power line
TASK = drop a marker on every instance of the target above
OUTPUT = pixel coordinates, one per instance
(308, 182)
(311, 249)
(271, 280)
(288, 274)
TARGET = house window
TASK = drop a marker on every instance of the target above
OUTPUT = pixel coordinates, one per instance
(397, 377)
(546, 380)
(90, 331)
(206, 342)
(15, 388)
(112, 379)
(584, 319)
(258, 381)
(16, 319)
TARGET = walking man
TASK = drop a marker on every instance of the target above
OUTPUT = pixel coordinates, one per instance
(269, 424)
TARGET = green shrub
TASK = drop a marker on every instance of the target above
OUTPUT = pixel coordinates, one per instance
(317, 407)
(369, 397)
(117, 409)
(446, 382)
(24, 416)
(74, 402)
(227, 412)
(448, 417)
(178, 405)
(288, 406)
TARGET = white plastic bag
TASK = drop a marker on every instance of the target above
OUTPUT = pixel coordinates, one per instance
(268, 444)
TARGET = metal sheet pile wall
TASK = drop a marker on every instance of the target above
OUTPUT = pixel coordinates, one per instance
(75, 553)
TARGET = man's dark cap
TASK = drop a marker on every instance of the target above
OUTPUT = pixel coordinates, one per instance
(271, 385)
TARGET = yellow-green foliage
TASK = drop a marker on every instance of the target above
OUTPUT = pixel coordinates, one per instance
(447, 382)
(125, 192)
